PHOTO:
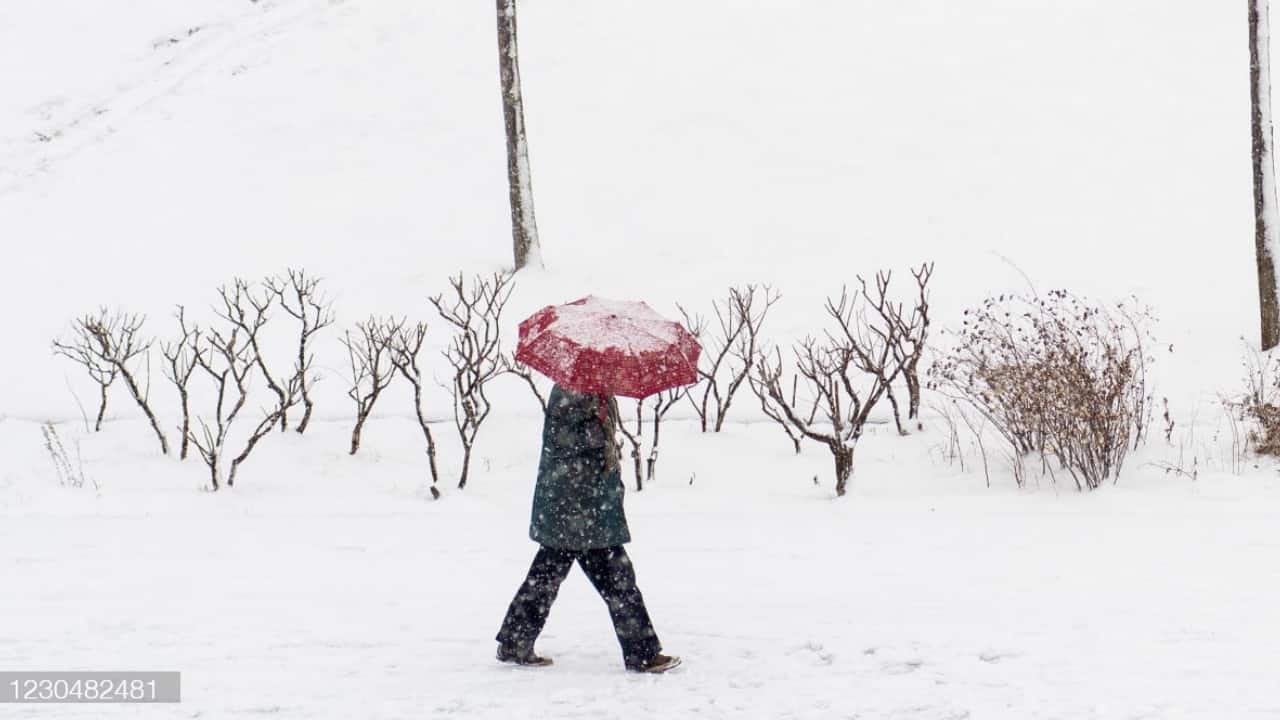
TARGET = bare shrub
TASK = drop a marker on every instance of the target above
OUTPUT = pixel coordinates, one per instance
(952, 452)
(659, 404)
(911, 338)
(221, 358)
(772, 411)
(731, 348)
(248, 309)
(69, 473)
(299, 295)
(475, 353)
(662, 403)
(511, 366)
(107, 345)
(635, 437)
(372, 369)
(1227, 447)
(100, 370)
(1058, 377)
(1241, 438)
(1258, 407)
(228, 358)
(903, 334)
(180, 364)
(405, 346)
(846, 374)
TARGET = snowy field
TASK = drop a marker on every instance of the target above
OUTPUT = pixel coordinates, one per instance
(151, 151)
(326, 587)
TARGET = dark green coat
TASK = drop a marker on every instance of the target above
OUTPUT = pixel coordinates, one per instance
(577, 504)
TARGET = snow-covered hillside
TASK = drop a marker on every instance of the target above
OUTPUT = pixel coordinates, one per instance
(676, 150)
(152, 150)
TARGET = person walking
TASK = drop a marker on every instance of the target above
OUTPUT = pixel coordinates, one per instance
(578, 517)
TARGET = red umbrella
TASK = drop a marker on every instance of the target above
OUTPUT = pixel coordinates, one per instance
(609, 347)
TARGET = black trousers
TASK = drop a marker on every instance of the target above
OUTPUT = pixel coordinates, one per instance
(610, 571)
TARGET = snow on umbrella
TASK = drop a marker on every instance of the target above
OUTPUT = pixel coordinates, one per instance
(609, 347)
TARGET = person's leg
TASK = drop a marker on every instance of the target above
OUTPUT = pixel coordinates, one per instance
(610, 571)
(529, 609)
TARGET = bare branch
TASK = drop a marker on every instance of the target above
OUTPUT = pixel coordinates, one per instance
(511, 366)
(182, 358)
(729, 349)
(106, 344)
(248, 312)
(302, 299)
(846, 374)
(372, 368)
(227, 362)
(662, 403)
(405, 345)
(475, 353)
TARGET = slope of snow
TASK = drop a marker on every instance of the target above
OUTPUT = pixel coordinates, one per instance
(675, 151)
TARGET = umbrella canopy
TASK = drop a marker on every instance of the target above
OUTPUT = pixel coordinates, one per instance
(609, 347)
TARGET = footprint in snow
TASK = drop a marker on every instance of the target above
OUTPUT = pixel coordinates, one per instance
(816, 649)
(902, 668)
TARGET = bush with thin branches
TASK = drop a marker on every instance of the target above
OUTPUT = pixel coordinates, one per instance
(1058, 377)
(109, 346)
(228, 357)
(404, 345)
(1258, 406)
(299, 295)
(658, 405)
(846, 373)
(475, 353)
(730, 349)
(372, 369)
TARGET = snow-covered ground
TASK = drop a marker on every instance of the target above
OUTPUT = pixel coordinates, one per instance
(152, 150)
(327, 587)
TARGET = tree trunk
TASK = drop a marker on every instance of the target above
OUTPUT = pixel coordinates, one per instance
(355, 434)
(186, 423)
(466, 467)
(302, 378)
(913, 393)
(431, 441)
(653, 452)
(260, 432)
(897, 414)
(102, 409)
(1264, 192)
(844, 467)
(306, 413)
(146, 410)
(524, 231)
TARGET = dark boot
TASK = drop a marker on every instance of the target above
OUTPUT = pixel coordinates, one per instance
(517, 656)
(657, 664)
